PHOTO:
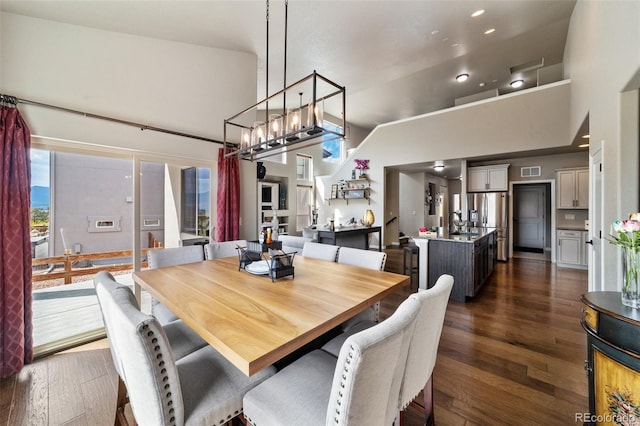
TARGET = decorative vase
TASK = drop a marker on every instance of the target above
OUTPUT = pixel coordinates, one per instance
(630, 284)
(368, 218)
(275, 226)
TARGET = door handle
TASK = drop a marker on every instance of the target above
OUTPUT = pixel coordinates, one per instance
(589, 242)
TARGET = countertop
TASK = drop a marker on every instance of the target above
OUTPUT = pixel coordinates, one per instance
(481, 233)
(571, 228)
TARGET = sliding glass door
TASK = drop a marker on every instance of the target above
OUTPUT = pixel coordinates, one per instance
(81, 223)
(83, 211)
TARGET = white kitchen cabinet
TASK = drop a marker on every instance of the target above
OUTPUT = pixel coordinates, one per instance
(572, 251)
(582, 188)
(488, 178)
(573, 189)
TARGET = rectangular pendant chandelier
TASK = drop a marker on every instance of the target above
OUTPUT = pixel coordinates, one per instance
(286, 121)
(290, 119)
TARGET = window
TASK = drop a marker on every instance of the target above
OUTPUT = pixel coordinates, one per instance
(332, 144)
(303, 206)
(196, 190)
(304, 167)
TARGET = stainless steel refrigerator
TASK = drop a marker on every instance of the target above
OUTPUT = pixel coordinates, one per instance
(491, 210)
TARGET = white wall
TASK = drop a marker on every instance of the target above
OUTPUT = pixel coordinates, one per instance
(531, 119)
(602, 57)
(172, 206)
(178, 86)
(411, 214)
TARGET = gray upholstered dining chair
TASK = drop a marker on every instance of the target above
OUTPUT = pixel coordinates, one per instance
(169, 257)
(320, 251)
(423, 344)
(182, 338)
(360, 387)
(423, 347)
(365, 259)
(217, 250)
(201, 388)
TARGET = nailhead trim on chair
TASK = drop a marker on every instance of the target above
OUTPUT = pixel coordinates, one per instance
(342, 384)
(168, 400)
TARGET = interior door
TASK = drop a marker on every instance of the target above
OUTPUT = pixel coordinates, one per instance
(595, 223)
(529, 217)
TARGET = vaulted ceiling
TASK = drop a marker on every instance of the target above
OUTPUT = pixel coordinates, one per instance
(396, 58)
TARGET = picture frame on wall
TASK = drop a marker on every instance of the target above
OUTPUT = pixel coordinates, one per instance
(356, 193)
(334, 191)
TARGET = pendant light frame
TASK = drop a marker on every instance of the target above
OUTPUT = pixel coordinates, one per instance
(290, 126)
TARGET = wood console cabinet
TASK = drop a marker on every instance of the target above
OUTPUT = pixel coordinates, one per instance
(350, 237)
(613, 358)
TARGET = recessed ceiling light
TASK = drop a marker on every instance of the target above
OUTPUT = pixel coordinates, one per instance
(477, 13)
(455, 45)
(481, 84)
(490, 30)
(584, 145)
(434, 32)
(517, 83)
(438, 167)
(462, 77)
(585, 136)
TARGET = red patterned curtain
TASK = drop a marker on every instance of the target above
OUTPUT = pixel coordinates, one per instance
(228, 211)
(16, 341)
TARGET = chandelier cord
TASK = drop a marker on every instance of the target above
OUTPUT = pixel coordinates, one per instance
(276, 134)
(284, 95)
(266, 83)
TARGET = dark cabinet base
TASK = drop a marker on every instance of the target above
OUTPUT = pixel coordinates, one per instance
(350, 237)
(470, 264)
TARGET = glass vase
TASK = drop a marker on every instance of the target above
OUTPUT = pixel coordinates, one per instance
(630, 269)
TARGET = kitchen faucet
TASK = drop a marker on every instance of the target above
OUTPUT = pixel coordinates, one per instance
(453, 226)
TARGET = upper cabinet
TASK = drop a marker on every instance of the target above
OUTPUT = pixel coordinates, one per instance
(573, 188)
(488, 178)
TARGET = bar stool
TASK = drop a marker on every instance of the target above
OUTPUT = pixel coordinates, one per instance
(410, 262)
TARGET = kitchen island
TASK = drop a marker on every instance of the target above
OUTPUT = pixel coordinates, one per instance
(469, 258)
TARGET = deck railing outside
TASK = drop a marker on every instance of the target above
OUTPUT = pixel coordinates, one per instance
(63, 266)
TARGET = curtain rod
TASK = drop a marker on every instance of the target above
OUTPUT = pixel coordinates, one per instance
(14, 100)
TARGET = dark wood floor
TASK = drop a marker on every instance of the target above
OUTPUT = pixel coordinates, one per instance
(512, 356)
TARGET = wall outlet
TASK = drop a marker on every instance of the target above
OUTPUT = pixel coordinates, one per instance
(570, 216)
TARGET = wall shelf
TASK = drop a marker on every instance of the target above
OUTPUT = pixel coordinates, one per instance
(351, 189)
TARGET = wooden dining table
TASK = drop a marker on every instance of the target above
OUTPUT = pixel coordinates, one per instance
(254, 322)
